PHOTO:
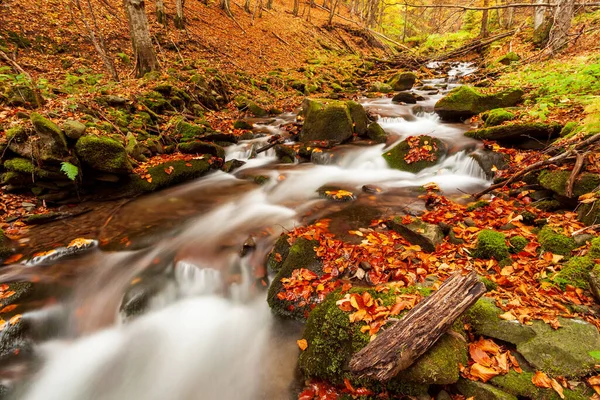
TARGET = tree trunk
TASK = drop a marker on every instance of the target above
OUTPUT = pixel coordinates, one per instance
(333, 4)
(225, 6)
(399, 346)
(538, 14)
(161, 16)
(179, 16)
(247, 6)
(145, 58)
(563, 14)
(269, 4)
(484, 20)
(296, 7)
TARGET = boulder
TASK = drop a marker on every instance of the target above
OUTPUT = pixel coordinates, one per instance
(555, 242)
(564, 351)
(22, 96)
(200, 147)
(464, 102)
(556, 181)
(420, 233)
(521, 386)
(380, 87)
(519, 135)
(51, 144)
(376, 133)
(406, 97)
(496, 117)
(509, 58)
(103, 154)
(491, 244)
(332, 120)
(403, 81)
(168, 174)
(74, 129)
(278, 254)
(415, 153)
(480, 390)
(489, 161)
(138, 297)
(19, 143)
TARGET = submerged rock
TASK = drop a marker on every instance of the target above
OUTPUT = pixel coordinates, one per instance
(415, 153)
(332, 120)
(406, 97)
(465, 102)
(489, 161)
(168, 174)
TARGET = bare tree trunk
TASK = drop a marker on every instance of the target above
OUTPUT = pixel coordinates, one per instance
(334, 4)
(484, 20)
(269, 4)
(96, 37)
(226, 7)
(161, 16)
(296, 7)
(247, 6)
(179, 17)
(563, 14)
(538, 14)
(310, 4)
(145, 58)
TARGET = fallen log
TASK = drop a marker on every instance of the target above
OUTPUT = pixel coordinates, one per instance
(399, 346)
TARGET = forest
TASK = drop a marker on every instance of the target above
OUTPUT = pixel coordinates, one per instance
(299, 199)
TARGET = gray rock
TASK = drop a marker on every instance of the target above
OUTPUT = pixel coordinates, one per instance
(403, 81)
(483, 391)
(488, 160)
(74, 129)
(420, 233)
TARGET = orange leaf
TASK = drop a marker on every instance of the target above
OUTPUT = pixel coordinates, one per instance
(14, 319)
(541, 380)
(479, 356)
(8, 308)
(302, 343)
(13, 259)
(483, 373)
(557, 388)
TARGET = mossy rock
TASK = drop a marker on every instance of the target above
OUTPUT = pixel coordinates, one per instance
(465, 101)
(395, 157)
(420, 233)
(483, 391)
(241, 124)
(568, 129)
(6, 247)
(380, 87)
(557, 182)
(509, 58)
(285, 153)
(376, 133)
(103, 154)
(405, 97)
(556, 243)
(531, 135)
(182, 171)
(74, 129)
(155, 102)
(517, 244)
(403, 81)
(574, 273)
(589, 213)
(565, 351)
(189, 131)
(476, 205)
(133, 148)
(520, 385)
(256, 110)
(359, 117)
(497, 117)
(491, 244)
(331, 120)
(548, 205)
(490, 161)
(541, 35)
(483, 318)
(51, 144)
(22, 165)
(301, 255)
(200, 147)
(231, 165)
(21, 96)
(279, 253)
(594, 281)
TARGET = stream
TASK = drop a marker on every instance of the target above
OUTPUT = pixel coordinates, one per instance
(207, 331)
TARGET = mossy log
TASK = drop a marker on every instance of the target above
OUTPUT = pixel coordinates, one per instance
(399, 346)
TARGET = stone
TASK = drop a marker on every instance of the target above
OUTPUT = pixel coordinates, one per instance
(403, 81)
(380, 87)
(396, 156)
(138, 297)
(74, 129)
(180, 171)
(405, 97)
(200, 147)
(22, 96)
(496, 117)
(520, 385)
(508, 58)
(420, 233)
(51, 144)
(376, 133)
(6, 246)
(564, 351)
(526, 136)
(331, 120)
(278, 254)
(489, 160)
(491, 244)
(464, 102)
(483, 391)
(557, 182)
(352, 218)
(103, 154)
(555, 242)
(594, 282)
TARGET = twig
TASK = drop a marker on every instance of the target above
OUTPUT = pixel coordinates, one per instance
(280, 39)
(577, 232)
(576, 169)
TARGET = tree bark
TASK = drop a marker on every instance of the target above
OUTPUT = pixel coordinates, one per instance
(145, 58)
(484, 20)
(559, 35)
(161, 16)
(538, 15)
(296, 8)
(179, 16)
(269, 4)
(334, 4)
(399, 346)
(226, 7)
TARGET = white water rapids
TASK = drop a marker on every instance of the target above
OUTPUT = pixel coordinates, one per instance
(196, 342)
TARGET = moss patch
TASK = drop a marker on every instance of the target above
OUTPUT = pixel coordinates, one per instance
(278, 255)
(557, 182)
(103, 154)
(497, 117)
(491, 244)
(19, 165)
(517, 244)
(465, 101)
(521, 385)
(403, 81)
(199, 147)
(376, 133)
(555, 242)
(5, 246)
(574, 273)
(182, 171)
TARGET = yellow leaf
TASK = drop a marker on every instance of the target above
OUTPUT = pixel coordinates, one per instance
(302, 344)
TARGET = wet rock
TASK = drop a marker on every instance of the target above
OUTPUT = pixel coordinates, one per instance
(489, 160)
(480, 390)
(51, 144)
(519, 135)
(256, 110)
(331, 120)
(15, 341)
(168, 174)
(200, 147)
(279, 254)
(420, 233)
(406, 97)
(371, 189)
(376, 133)
(138, 297)
(564, 351)
(6, 246)
(521, 386)
(399, 156)
(112, 101)
(483, 318)
(556, 181)
(74, 129)
(380, 87)
(232, 165)
(241, 124)
(103, 154)
(18, 139)
(464, 102)
(285, 154)
(352, 218)
(496, 117)
(403, 81)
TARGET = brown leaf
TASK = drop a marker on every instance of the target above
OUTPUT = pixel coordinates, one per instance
(483, 373)
(541, 380)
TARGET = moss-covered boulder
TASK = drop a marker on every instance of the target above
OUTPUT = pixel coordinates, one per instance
(200, 147)
(256, 110)
(103, 154)
(520, 135)
(403, 81)
(594, 281)
(380, 87)
(574, 272)
(22, 96)
(415, 153)
(189, 131)
(51, 144)
(521, 385)
(465, 101)
(420, 233)
(557, 182)
(18, 164)
(497, 117)
(376, 133)
(480, 390)
(241, 124)
(302, 255)
(19, 142)
(509, 58)
(484, 321)
(491, 244)
(168, 174)
(6, 247)
(555, 242)
(589, 213)
(332, 120)
(279, 253)
(564, 351)
(74, 129)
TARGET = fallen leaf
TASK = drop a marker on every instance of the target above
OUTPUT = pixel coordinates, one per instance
(302, 344)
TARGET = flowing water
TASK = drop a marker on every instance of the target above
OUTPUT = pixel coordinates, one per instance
(208, 333)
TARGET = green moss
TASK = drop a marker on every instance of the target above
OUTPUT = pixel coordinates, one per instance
(557, 182)
(491, 244)
(589, 213)
(280, 251)
(326, 120)
(528, 217)
(508, 58)
(240, 124)
(520, 384)
(516, 131)
(548, 205)
(19, 165)
(380, 87)
(403, 81)
(465, 101)
(17, 133)
(568, 129)
(517, 244)
(256, 110)
(155, 101)
(199, 147)
(555, 242)
(189, 131)
(358, 116)
(476, 205)
(45, 126)
(480, 390)
(395, 156)
(574, 273)
(497, 117)
(182, 171)
(103, 154)
(594, 252)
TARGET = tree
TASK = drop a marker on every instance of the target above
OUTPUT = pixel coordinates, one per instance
(145, 58)
(179, 17)
(226, 7)
(563, 14)
(539, 13)
(161, 16)
(296, 7)
(484, 20)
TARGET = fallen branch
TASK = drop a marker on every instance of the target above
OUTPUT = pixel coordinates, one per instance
(576, 169)
(577, 232)
(399, 346)
(280, 38)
